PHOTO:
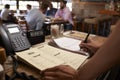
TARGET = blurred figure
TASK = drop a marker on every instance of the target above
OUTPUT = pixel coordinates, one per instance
(36, 17)
(5, 14)
(29, 7)
(52, 11)
(64, 14)
(12, 18)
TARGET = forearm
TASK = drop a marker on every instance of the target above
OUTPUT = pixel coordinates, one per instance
(107, 56)
(58, 18)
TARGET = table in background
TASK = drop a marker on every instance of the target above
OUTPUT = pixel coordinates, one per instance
(108, 12)
(47, 25)
(115, 14)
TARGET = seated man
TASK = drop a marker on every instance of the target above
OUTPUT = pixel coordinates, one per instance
(5, 13)
(36, 17)
(7, 16)
(29, 7)
(12, 18)
(64, 14)
(51, 12)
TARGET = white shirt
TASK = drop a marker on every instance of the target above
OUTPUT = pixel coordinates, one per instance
(4, 14)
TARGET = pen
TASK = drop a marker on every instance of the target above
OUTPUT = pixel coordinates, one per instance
(85, 41)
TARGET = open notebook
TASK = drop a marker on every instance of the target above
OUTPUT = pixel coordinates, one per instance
(69, 44)
(45, 56)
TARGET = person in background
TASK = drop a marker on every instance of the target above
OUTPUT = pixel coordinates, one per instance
(29, 7)
(5, 14)
(51, 12)
(12, 18)
(36, 17)
(64, 14)
(107, 56)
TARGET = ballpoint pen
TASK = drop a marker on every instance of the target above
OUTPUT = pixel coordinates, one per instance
(85, 41)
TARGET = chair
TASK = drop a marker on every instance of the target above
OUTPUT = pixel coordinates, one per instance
(104, 25)
(112, 28)
(98, 25)
(90, 24)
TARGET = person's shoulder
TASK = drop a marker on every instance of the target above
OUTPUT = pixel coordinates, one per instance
(5, 10)
(67, 9)
(34, 9)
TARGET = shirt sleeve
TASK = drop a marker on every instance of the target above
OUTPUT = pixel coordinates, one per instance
(67, 14)
(57, 14)
(40, 22)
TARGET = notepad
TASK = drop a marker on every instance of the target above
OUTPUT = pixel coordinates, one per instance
(68, 43)
(45, 56)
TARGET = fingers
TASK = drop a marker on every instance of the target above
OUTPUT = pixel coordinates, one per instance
(51, 69)
(49, 78)
(57, 75)
(82, 44)
(85, 45)
(62, 68)
(62, 72)
(89, 40)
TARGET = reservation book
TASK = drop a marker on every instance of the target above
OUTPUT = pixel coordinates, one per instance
(45, 56)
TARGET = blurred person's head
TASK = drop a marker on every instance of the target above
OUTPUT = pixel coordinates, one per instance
(63, 4)
(7, 6)
(44, 7)
(50, 6)
(29, 6)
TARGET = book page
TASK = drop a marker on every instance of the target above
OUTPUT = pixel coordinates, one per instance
(45, 56)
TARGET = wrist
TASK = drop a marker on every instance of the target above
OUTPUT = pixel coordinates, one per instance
(76, 77)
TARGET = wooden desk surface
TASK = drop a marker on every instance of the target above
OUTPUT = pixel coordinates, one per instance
(108, 12)
(55, 22)
(82, 35)
(31, 71)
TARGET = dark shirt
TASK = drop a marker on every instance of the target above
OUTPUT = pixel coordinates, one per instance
(51, 12)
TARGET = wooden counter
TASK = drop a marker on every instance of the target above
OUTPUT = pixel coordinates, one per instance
(108, 12)
(92, 3)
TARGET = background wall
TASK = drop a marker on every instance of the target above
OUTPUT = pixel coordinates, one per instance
(86, 9)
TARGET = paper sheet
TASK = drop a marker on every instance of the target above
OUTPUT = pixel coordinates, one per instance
(45, 56)
(68, 43)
